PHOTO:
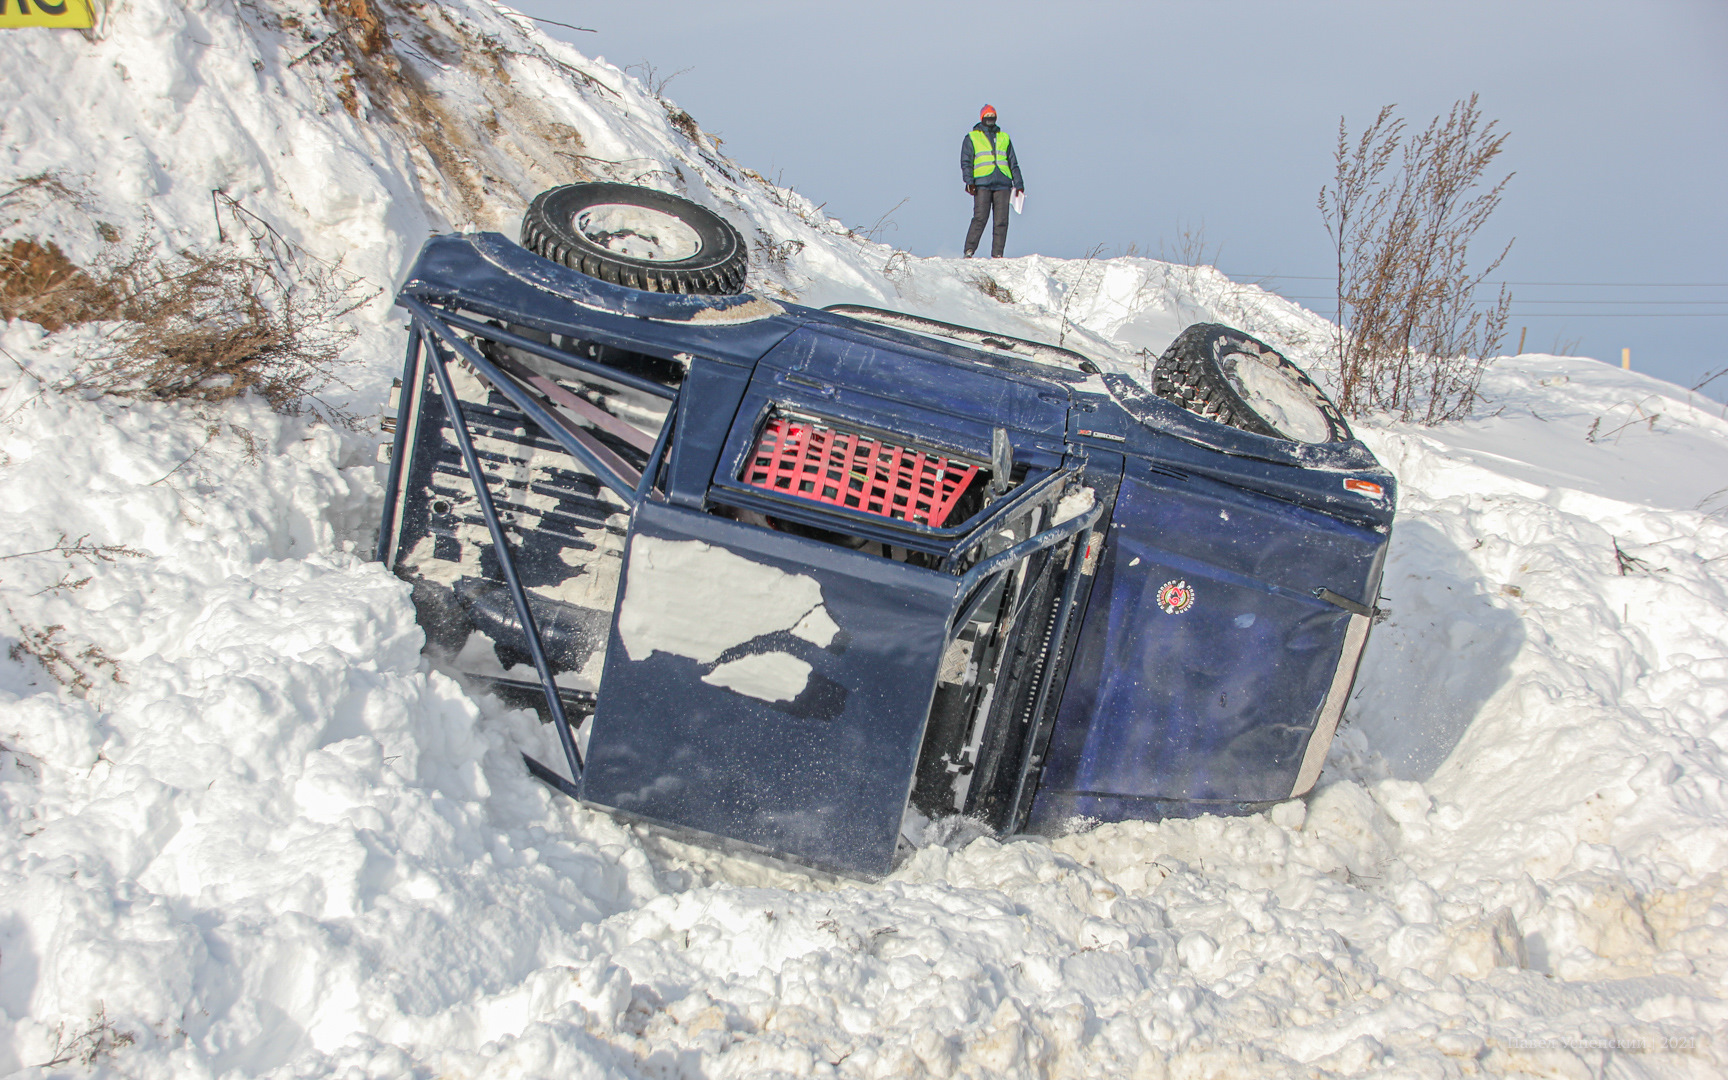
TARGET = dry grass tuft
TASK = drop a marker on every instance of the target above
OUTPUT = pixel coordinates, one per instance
(992, 288)
(1190, 248)
(75, 669)
(45, 187)
(775, 254)
(39, 283)
(98, 1040)
(684, 122)
(363, 18)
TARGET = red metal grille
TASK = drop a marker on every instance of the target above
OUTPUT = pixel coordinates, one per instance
(816, 461)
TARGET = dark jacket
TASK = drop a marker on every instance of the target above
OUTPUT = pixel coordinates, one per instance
(995, 179)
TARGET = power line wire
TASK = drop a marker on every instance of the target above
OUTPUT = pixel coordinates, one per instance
(1516, 314)
(1550, 300)
(1588, 284)
(1620, 284)
(1542, 300)
(1617, 315)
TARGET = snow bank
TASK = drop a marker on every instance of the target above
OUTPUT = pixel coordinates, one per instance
(251, 833)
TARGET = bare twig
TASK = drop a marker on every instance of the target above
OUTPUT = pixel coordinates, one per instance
(1639, 417)
(577, 73)
(1068, 297)
(651, 79)
(1190, 248)
(210, 434)
(81, 548)
(553, 22)
(334, 34)
(884, 223)
(1708, 378)
(1627, 562)
(609, 164)
(51, 185)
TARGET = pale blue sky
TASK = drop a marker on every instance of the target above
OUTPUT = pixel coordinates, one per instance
(1138, 121)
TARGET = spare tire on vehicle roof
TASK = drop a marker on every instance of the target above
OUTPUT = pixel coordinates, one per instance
(1223, 374)
(637, 237)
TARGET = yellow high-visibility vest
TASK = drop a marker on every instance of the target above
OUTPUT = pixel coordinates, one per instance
(985, 159)
(66, 14)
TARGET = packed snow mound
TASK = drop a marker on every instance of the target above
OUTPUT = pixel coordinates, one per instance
(250, 833)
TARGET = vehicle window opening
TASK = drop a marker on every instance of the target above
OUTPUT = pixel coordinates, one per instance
(632, 417)
(825, 463)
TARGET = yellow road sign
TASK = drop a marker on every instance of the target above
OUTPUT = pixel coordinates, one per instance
(66, 14)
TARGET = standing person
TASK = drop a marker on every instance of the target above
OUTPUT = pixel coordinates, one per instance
(989, 168)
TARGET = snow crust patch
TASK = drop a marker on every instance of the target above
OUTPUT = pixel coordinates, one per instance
(770, 676)
(690, 598)
(1280, 399)
(1073, 504)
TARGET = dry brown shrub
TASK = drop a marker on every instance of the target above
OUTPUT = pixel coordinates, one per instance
(204, 325)
(218, 324)
(1402, 212)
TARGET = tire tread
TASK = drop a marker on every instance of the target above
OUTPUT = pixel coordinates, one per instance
(545, 234)
(1191, 374)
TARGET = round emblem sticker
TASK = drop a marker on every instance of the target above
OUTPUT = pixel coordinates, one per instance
(1175, 597)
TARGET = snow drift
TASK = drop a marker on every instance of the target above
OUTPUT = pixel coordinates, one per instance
(249, 833)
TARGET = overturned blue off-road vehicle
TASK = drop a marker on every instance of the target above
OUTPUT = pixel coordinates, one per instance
(776, 574)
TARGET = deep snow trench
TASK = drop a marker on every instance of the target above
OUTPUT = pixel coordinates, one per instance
(250, 833)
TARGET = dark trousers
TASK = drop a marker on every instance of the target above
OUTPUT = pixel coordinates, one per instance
(984, 202)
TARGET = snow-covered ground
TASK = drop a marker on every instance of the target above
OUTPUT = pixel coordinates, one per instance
(250, 833)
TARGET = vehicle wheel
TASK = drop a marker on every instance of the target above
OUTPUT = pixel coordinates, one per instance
(638, 237)
(1224, 375)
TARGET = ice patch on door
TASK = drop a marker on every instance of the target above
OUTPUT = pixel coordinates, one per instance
(816, 628)
(773, 676)
(692, 599)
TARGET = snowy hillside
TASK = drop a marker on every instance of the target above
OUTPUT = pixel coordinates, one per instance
(250, 833)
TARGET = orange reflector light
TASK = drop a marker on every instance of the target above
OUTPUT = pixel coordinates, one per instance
(1365, 487)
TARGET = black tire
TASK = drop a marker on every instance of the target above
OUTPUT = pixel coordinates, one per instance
(616, 246)
(1221, 374)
